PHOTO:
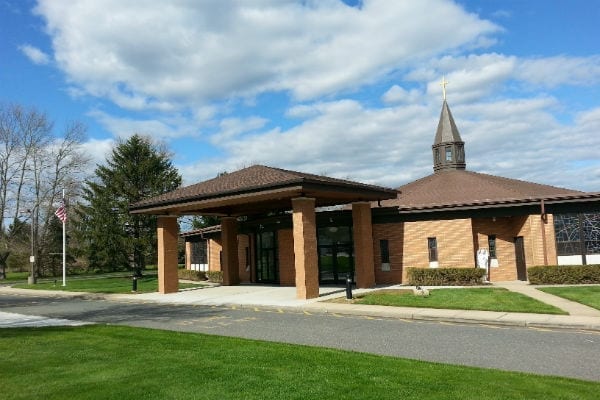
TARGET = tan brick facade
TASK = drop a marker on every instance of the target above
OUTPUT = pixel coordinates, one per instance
(408, 246)
(244, 258)
(167, 234)
(229, 255)
(287, 271)
(458, 241)
(363, 245)
(214, 254)
(305, 248)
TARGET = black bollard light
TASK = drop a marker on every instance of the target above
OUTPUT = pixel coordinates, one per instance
(348, 287)
(134, 284)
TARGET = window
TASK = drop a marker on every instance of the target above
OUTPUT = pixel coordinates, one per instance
(460, 154)
(433, 253)
(385, 251)
(492, 245)
(576, 233)
(437, 156)
(448, 153)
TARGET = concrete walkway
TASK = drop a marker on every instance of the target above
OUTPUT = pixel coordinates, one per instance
(572, 307)
(278, 297)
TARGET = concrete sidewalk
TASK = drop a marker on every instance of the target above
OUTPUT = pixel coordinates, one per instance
(277, 297)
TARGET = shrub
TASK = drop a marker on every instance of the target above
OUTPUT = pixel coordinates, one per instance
(445, 276)
(190, 275)
(564, 274)
(215, 276)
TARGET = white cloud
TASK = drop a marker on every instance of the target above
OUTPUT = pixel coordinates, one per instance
(516, 138)
(554, 71)
(397, 94)
(149, 54)
(164, 128)
(34, 54)
(97, 150)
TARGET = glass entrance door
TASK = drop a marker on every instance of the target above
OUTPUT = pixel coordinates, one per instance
(267, 269)
(336, 254)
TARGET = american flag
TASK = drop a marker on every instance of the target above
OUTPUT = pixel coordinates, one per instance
(61, 213)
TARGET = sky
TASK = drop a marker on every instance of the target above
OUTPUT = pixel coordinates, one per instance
(348, 89)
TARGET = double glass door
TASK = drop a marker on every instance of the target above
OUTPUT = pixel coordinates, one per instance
(267, 269)
(336, 254)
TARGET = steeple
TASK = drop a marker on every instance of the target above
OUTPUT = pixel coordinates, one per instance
(448, 148)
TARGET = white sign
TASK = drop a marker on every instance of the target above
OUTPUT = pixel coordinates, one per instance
(31, 259)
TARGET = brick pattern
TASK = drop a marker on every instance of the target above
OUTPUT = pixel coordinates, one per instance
(408, 246)
(394, 233)
(230, 266)
(305, 248)
(214, 254)
(188, 255)
(245, 270)
(363, 248)
(285, 252)
(167, 234)
(505, 229)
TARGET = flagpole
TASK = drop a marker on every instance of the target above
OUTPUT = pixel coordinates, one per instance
(64, 249)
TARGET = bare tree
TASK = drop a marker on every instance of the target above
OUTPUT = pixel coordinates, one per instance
(35, 166)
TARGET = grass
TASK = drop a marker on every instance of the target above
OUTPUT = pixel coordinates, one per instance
(113, 362)
(484, 299)
(588, 295)
(146, 284)
(15, 276)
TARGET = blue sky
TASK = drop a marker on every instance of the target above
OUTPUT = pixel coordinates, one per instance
(347, 89)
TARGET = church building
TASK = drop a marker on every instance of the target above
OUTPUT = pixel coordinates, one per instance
(296, 229)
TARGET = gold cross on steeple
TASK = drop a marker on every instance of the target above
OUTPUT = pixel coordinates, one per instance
(443, 83)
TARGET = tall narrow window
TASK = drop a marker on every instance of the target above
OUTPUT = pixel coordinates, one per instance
(384, 247)
(492, 245)
(437, 156)
(432, 245)
(448, 153)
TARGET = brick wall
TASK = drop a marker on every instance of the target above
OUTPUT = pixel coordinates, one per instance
(394, 233)
(505, 229)
(244, 258)
(408, 246)
(285, 252)
(214, 254)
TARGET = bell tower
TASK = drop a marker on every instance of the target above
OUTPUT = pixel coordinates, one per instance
(448, 148)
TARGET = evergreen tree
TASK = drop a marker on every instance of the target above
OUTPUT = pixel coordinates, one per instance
(111, 238)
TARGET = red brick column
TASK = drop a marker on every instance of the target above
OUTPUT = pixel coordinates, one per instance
(364, 264)
(305, 248)
(167, 230)
(230, 267)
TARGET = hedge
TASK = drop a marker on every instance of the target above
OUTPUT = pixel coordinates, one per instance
(445, 276)
(215, 276)
(190, 275)
(564, 274)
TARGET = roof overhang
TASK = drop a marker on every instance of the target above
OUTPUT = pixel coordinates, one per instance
(258, 200)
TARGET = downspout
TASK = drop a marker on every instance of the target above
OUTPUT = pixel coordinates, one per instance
(544, 222)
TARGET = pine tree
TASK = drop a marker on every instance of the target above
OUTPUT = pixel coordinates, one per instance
(112, 239)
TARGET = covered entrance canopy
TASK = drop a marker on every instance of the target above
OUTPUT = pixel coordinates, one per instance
(260, 190)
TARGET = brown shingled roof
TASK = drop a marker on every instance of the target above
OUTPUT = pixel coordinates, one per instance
(259, 179)
(459, 188)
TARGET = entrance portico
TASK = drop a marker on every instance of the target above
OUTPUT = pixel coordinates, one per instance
(260, 190)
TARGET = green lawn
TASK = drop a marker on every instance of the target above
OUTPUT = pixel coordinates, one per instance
(15, 276)
(588, 295)
(485, 299)
(145, 284)
(111, 362)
